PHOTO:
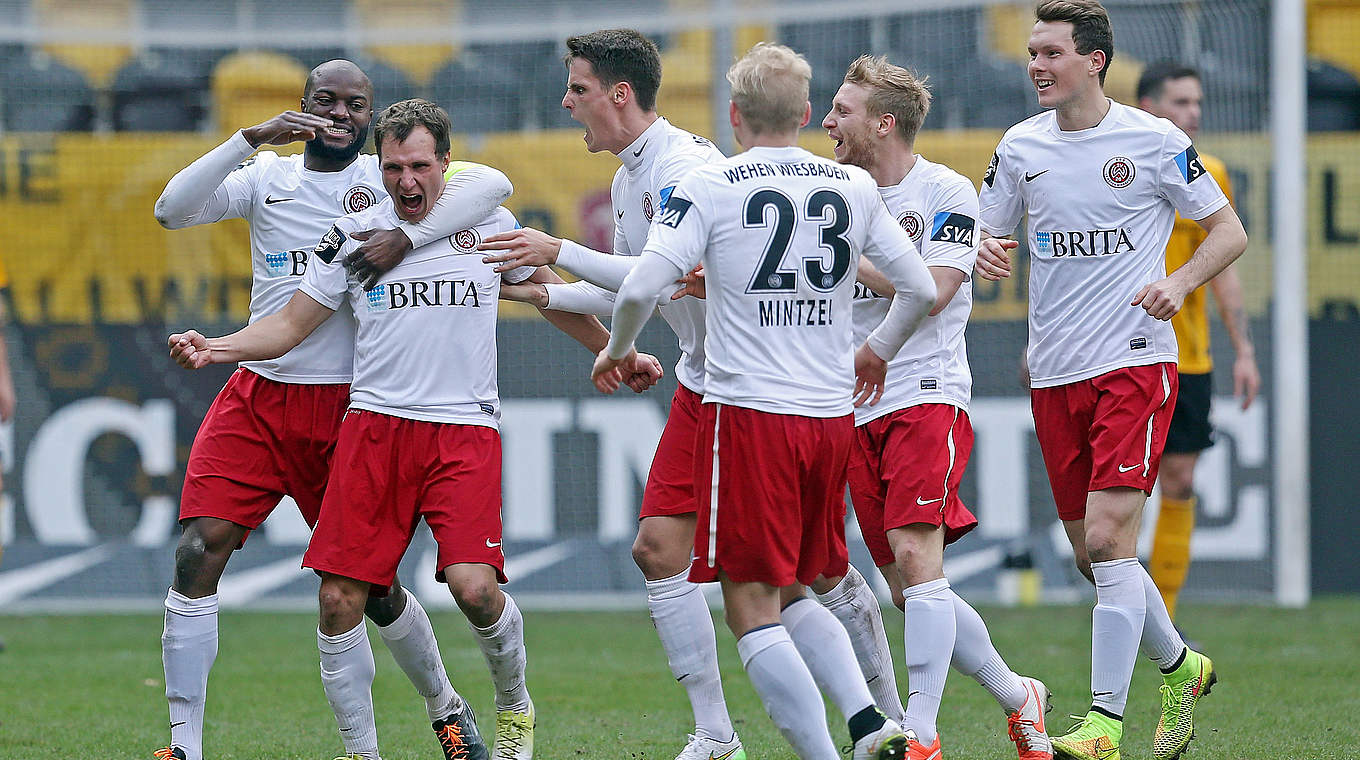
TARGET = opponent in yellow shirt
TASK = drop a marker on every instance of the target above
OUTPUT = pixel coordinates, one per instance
(1173, 92)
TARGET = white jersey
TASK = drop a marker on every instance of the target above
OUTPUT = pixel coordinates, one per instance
(652, 166)
(426, 342)
(1101, 205)
(780, 232)
(938, 208)
(289, 208)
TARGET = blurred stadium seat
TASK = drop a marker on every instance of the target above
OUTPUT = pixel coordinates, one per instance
(390, 84)
(250, 87)
(98, 61)
(41, 94)
(1333, 98)
(156, 93)
(479, 95)
(1332, 25)
(419, 61)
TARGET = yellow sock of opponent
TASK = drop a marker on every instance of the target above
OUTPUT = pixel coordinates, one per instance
(1170, 559)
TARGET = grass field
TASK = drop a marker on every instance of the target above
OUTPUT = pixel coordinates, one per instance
(90, 687)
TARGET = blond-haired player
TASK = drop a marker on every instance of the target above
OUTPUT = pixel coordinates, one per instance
(780, 232)
(913, 445)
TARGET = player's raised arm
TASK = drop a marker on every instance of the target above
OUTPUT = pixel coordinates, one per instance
(267, 338)
(201, 192)
(471, 192)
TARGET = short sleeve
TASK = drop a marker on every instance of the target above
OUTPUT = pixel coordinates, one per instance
(680, 232)
(1000, 203)
(951, 235)
(1184, 181)
(326, 280)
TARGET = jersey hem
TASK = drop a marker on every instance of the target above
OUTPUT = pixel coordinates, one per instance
(408, 414)
(296, 379)
(1087, 374)
(759, 406)
(897, 407)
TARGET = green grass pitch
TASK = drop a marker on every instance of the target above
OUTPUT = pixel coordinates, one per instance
(90, 687)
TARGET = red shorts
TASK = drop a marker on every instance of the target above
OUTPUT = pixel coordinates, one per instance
(262, 439)
(670, 482)
(389, 472)
(1105, 432)
(774, 510)
(906, 469)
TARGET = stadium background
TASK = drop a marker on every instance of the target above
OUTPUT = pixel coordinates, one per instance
(101, 102)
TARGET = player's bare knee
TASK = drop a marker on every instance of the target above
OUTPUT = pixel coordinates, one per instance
(477, 597)
(341, 604)
(657, 558)
(202, 553)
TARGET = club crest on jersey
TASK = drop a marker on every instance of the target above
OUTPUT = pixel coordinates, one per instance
(648, 207)
(1118, 172)
(376, 298)
(358, 198)
(913, 224)
(465, 241)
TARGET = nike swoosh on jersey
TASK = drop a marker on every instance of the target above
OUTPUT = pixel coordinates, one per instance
(922, 503)
(638, 152)
(1122, 468)
(1031, 177)
(270, 200)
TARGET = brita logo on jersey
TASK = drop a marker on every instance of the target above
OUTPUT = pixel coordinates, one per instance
(421, 293)
(376, 297)
(1059, 244)
(286, 263)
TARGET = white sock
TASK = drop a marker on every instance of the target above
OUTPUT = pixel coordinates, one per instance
(929, 644)
(685, 627)
(787, 690)
(347, 674)
(410, 639)
(502, 644)
(1116, 628)
(825, 646)
(854, 604)
(1161, 641)
(975, 656)
(188, 648)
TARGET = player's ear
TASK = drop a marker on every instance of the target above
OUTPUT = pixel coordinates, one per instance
(807, 114)
(886, 123)
(621, 91)
(1097, 60)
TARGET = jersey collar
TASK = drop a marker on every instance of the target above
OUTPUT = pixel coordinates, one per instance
(647, 143)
